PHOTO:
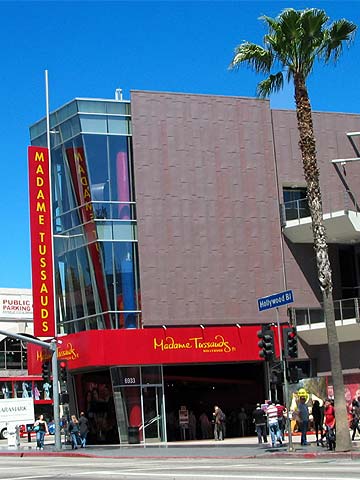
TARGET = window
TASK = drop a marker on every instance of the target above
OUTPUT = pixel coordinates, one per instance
(295, 203)
(13, 354)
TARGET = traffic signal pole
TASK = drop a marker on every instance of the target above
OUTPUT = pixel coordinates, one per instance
(55, 385)
(286, 386)
(52, 346)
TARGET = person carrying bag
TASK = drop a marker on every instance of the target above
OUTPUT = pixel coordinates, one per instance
(41, 428)
(74, 431)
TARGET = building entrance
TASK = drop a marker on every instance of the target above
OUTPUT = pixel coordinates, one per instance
(130, 404)
(235, 388)
(153, 407)
(123, 404)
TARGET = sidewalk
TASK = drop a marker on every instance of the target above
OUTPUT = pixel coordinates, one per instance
(229, 448)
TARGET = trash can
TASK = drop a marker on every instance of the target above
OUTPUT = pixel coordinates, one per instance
(133, 435)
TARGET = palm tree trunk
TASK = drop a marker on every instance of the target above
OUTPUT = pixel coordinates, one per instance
(311, 172)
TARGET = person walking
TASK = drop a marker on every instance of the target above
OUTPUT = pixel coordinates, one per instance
(329, 421)
(355, 418)
(74, 431)
(192, 425)
(304, 419)
(243, 422)
(41, 430)
(281, 410)
(272, 415)
(83, 428)
(205, 426)
(259, 418)
(318, 416)
(219, 420)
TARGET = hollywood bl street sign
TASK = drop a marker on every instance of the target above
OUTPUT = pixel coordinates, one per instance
(275, 300)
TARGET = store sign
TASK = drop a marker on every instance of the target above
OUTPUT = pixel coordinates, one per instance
(153, 346)
(183, 416)
(41, 242)
(16, 306)
(217, 343)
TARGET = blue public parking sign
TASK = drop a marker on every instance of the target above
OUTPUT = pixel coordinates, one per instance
(275, 300)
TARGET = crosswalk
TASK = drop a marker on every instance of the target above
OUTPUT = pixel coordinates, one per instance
(267, 468)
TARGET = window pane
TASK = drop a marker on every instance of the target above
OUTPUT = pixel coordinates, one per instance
(119, 125)
(93, 124)
(97, 164)
(151, 375)
(91, 107)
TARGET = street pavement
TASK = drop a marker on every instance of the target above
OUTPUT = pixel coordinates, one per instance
(49, 468)
(246, 447)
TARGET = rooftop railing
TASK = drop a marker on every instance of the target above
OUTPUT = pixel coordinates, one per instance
(297, 209)
(345, 309)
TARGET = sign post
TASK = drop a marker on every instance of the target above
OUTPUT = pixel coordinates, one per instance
(275, 301)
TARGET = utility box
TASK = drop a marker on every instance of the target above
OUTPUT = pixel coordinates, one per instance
(13, 433)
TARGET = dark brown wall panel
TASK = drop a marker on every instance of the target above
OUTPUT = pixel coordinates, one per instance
(207, 208)
(207, 204)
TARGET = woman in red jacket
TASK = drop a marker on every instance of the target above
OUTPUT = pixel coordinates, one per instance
(329, 422)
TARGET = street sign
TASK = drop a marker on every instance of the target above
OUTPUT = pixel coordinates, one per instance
(275, 300)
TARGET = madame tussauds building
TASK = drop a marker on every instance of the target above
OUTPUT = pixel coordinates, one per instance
(162, 216)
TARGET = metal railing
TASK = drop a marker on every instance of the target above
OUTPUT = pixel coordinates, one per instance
(345, 309)
(297, 209)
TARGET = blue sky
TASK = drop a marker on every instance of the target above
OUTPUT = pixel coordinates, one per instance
(92, 48)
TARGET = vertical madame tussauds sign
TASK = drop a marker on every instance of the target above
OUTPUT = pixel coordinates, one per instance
(41, 242)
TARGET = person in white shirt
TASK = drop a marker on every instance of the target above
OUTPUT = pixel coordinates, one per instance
(272, 415)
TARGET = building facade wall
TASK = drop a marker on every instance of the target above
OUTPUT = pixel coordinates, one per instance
(207, 204)
(207, 207)
(331, 143)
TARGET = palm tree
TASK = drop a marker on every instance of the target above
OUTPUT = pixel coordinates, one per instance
(295, 40)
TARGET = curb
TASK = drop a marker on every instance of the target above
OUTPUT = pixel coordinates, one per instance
(276, 454)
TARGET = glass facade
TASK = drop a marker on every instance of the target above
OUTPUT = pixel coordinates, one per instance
(96, 261)
(94, 215)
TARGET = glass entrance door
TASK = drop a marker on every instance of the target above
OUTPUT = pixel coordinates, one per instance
(139, 403)
(153, 414)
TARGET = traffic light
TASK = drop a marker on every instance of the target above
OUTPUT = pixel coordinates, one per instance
(46, 371)
(276, 373)
(299, 369)
(64, 398)
(294, 374)
(266, 344)
(290, 342)
(63, 371)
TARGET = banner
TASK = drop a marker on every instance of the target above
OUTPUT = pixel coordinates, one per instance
(152, 346)
(81, 184)
(41, 242)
